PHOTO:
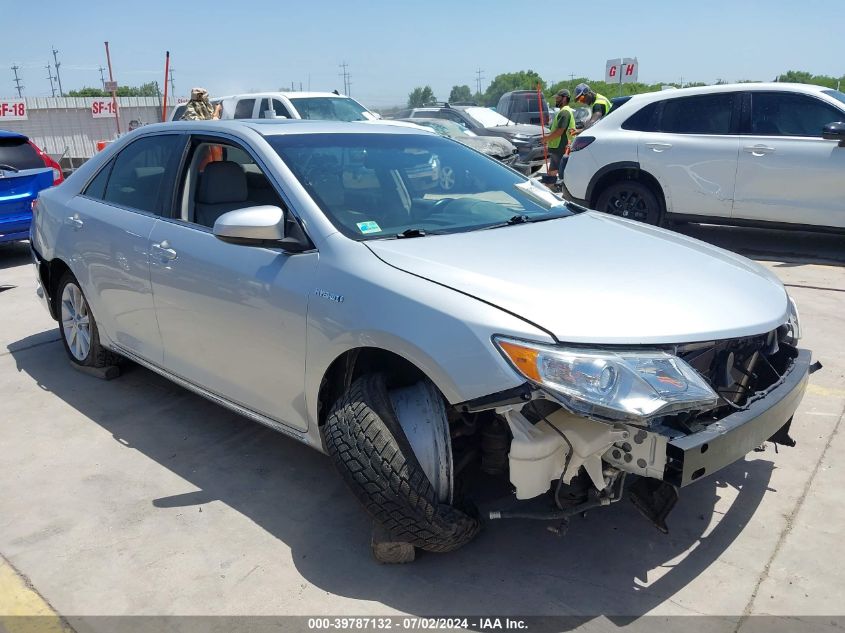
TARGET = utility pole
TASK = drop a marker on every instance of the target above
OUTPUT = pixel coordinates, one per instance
(478, 78)
(172, 85)
(18, 85)
(102, 78)
(345, 75)
(56, 64)
(51, 78)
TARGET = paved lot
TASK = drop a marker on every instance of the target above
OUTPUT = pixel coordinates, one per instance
(136, 497)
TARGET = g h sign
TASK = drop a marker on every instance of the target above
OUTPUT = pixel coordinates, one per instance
(621, 71)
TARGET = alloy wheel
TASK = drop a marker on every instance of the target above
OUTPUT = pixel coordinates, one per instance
(447, 178)
(629, 204)
(76, 321)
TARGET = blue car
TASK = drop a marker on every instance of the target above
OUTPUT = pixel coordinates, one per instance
(24, 171)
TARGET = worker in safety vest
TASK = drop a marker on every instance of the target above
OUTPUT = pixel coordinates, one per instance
(562, 131)
(599, 104)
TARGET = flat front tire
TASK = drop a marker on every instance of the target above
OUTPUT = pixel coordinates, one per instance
(368, 447)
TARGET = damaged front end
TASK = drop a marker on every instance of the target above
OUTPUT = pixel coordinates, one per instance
(669, 415)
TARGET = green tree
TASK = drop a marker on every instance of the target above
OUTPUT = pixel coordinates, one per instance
(149, 89)
(521, 80)
(421, 97)
(460, 93)
(87, 92)
(802, 77)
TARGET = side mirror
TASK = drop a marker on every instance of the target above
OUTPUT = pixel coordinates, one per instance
(834, 132)
(269, 114)
(260, 226)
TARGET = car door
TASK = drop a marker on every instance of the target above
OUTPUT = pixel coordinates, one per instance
(109, 224)
(692, 152)
(787, 172)
(232, 317)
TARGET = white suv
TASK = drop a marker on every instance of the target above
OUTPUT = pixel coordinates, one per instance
(735, 154)
(326, 106)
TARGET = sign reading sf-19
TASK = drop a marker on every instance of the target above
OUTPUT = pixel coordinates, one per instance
(102, 108)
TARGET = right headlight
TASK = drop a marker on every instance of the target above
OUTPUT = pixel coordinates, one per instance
(793, 322)
(616, 385)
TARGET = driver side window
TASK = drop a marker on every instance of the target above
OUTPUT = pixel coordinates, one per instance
(223, 177)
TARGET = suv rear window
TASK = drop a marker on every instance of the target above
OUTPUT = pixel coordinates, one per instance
(18, 153)
(702, 114)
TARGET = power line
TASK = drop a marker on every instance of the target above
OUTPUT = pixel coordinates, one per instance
(51, 78)
(18, 85)
(478, 78)
(346, 76)
(56, 64)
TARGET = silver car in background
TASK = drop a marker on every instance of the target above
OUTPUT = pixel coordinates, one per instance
(309, 276)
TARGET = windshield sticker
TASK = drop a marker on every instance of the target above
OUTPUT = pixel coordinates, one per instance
(369, 227)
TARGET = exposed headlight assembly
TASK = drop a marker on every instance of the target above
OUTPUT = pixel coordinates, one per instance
(793, 323)
(615, 385)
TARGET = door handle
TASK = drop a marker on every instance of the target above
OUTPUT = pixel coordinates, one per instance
(163, 250)
(74, 222)
(659, 147)
(758, 150)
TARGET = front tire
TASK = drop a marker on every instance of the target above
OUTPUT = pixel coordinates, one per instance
(80, 336)
(369, 448)
(631, 199)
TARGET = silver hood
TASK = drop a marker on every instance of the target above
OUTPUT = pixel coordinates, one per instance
(593, 278)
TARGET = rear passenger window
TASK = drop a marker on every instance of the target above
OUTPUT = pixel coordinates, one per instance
(139, 178)
(643, 120)
(244, 109)
(97, 187)
(703, 114)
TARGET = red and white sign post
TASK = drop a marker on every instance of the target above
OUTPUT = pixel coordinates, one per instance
(13, 110)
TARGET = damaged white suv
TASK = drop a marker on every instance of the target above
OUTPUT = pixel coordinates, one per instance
(314, 277)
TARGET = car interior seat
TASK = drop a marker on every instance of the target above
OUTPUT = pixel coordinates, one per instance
(222, 187)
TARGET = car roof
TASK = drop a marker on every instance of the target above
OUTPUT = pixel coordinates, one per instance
(288, 95)
(703, 90)
(276, 127)
(8, 134)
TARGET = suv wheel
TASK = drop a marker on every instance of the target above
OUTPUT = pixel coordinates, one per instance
(630, 199)
(80, 337)
(375, 459)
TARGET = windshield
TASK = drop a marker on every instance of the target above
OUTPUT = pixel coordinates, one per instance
(330, 108)
(444, 127)
(374, 186)
(835, 94)
(487, 117)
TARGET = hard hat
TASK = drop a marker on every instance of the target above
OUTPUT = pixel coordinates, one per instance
(581, 89)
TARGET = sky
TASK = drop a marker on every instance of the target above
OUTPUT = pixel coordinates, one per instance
(392, 47)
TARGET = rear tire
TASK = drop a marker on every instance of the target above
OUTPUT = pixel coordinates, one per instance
(369, 448)
(631, 199)
(78, 328)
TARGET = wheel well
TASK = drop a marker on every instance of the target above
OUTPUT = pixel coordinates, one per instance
(347, 367)
(628, 173)
(51, 273)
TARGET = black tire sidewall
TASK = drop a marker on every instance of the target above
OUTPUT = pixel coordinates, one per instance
(375, 459)
(644, 191)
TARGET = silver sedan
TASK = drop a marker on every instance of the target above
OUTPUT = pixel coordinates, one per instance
(317, 278)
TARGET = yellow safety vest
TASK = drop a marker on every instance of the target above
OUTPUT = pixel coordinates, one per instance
(565, 119)
(603, 102)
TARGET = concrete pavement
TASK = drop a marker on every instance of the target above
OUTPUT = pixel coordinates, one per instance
(136, 497)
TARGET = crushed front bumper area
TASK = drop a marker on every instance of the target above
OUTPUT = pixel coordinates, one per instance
(680, 459)
(731, 438)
